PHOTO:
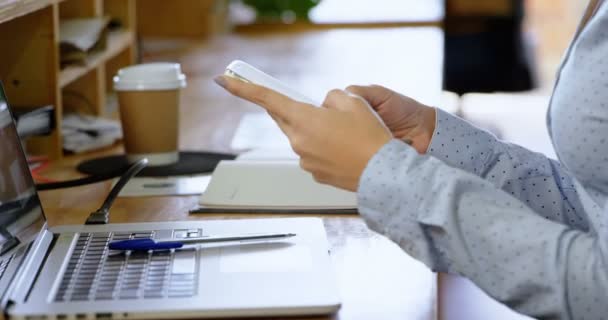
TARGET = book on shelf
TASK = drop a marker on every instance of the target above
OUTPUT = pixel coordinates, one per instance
(81, 36)
(34, 121)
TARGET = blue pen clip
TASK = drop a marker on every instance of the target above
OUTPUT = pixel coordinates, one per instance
(144, 245)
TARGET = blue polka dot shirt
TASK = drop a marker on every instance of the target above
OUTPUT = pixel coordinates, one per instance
(530, 231)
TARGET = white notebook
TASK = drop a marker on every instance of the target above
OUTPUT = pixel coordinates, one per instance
(275, 185)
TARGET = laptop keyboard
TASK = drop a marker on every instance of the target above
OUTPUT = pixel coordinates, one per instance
(4, 263)
(96, 273)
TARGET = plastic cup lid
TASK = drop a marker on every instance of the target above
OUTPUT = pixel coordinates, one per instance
(150, 76)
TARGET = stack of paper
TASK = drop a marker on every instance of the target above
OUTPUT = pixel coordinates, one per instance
(83, 133)
(34, 121)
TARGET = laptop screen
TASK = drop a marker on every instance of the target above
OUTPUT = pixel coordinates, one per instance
(21, 216)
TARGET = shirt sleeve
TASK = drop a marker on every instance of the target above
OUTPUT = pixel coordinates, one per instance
(539, 182)
(457, 222)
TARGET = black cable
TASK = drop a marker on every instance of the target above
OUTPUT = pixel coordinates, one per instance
(102, 215)
(80, 182)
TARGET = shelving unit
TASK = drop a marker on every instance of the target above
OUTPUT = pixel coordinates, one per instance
(29, 61)
(117, 42)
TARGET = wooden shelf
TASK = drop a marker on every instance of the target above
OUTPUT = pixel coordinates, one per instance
(30, 67)
(118, 41)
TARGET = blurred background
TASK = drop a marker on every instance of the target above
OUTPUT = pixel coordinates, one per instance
(497, 65)
(518, 43)
(446, 53)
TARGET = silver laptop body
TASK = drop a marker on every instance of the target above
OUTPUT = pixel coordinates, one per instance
(69, 273)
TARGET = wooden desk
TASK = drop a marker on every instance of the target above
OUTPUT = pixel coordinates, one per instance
(377, 280)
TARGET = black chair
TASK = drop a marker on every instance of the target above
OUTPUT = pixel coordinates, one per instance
(487, 52)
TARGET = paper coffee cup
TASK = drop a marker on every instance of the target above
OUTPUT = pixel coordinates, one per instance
(148, 98)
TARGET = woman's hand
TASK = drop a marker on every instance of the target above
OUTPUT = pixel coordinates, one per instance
(334, 142)
(407, 119)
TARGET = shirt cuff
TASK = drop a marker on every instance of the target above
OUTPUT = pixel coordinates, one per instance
(460, 144)
(389, 202)
(378, 193)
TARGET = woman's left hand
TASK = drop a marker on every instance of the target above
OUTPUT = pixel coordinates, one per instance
(334, 142)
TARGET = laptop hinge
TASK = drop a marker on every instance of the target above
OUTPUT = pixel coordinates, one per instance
(27, 274)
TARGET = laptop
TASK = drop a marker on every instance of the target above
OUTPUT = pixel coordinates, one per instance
(68, 272)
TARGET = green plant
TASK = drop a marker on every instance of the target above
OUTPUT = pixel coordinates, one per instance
(282, 9)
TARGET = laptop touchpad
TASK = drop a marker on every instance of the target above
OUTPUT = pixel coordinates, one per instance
(265, 257)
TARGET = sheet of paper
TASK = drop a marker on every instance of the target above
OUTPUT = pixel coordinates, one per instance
(169, 186)
(265, 154)
(82, 33)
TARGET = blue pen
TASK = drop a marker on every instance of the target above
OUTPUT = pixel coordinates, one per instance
(151, 244)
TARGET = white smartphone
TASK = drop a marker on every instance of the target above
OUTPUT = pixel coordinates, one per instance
(246, 72)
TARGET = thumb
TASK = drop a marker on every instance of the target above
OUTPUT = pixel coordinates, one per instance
(375, 95)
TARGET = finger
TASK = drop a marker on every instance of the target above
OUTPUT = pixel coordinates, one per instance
(306, 165)
(343, 100)
(279, 105)
(375, 95)
(314, 169)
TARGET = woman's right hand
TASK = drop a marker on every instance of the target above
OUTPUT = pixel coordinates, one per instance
(406, 118)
